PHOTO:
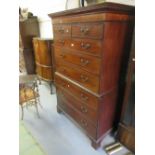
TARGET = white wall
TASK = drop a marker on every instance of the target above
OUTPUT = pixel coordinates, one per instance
(42, 8)
(128, 2)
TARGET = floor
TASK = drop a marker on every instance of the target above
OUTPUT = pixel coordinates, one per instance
(27, 143)
(56, 133)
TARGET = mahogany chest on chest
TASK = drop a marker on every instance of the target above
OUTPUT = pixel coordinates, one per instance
(89, 44)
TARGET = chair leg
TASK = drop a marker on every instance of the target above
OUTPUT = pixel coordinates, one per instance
(39, 103)
(51, 87)
(22, 112)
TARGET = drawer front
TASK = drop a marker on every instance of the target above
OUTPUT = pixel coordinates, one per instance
(62, 30)
(82, 121)
(85, 97)
(82, 77)
(82, 108)
(62, 42)
(87, 46)
(92, 47)
(93, 30)
(88, 63)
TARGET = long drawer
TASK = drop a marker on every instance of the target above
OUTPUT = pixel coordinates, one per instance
(82, 121)
(87, 112)
(88, 46)
(82, 77)
(84, 96)
(88, 63)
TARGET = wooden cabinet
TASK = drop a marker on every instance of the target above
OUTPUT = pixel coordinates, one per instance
(29, 28)
(43, 58)
(89, 46)
(126, 130)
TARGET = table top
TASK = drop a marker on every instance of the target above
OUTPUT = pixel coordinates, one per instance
(27, 78)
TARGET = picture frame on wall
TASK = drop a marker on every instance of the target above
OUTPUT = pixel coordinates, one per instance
(70, 4)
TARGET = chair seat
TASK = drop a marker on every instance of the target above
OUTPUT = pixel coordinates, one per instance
(27, 94)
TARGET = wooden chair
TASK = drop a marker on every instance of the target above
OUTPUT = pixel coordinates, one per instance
(28, 92)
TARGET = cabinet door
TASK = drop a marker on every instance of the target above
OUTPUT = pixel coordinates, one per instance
(129, 111)
(126, 130)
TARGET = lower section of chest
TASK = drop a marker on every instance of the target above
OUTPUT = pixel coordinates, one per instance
(94, 115)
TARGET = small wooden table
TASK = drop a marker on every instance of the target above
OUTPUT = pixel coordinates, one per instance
(28, 92)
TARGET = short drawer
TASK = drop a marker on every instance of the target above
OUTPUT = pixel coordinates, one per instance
(62, 30)
(85, 97)
(88, 63)
(62, 42)
(87, 112)
(77, 74)
(75, 115)
(91, 30)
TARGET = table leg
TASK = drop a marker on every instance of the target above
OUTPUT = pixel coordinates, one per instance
(51, 87)
(39, 102)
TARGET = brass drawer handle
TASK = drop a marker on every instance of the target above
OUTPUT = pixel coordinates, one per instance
(61, 30)
(62, 55)
(84, 123)
(85, 46)
(84, 30)
(84, 78)
(84, 109)
(85, 98)
(84, 62)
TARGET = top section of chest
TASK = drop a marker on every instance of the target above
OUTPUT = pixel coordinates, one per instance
(96, 13)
